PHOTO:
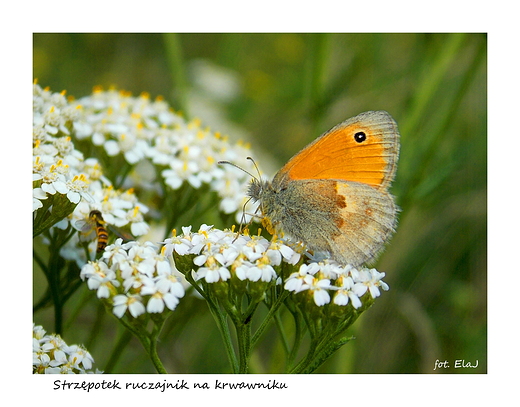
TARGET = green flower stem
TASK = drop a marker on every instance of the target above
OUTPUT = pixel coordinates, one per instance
(54, 283)
(248, 313)
(56, 264)
(148, 340)
(271, 314)
(117, 352)
(283, 337)
(220, 319)
(242, 323)
(306, 361)
(323, 329)
(59, 283)
(223, 327)
(298, 336)
(152, 352)
(243, 330)
(319, 351)
(320, 355)
(244, 345)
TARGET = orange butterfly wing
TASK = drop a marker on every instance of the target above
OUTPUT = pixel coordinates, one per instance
(364, 149)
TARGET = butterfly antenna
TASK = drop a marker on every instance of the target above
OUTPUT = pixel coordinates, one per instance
(236, 166)
(243, 218)
(256, 166)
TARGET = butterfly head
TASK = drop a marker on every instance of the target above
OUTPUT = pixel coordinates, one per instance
(257, 189)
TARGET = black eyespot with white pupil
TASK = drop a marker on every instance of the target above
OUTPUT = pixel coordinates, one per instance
(360, 136)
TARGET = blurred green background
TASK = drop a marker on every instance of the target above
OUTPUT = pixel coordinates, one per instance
(280, 91)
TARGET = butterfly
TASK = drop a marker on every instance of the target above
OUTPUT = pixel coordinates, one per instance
(333, 195)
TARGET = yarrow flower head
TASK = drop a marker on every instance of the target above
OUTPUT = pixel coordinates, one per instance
(223, 254)
(67, 187)
(219, 256)
(134, 279)
(328, 280)
(51, 355)
(56, 162)
(141, 130)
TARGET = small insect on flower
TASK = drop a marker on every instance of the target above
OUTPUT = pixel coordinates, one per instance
(102, 234)
(96, 222)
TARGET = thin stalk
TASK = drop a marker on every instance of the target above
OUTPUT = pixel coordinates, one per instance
(152, 352)
(244, 345)
(115, 355)
(272, 313)
(279, 326)
(298, 335)
(54, 281)
(221, 321)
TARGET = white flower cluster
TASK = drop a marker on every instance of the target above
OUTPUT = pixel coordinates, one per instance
(250, 258)
(140, 128)
(135, 278)
(56, 163)
(51, 355)
(59, 168)
(346, 283)
(220, 254)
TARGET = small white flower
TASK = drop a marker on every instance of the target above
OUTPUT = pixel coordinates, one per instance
(362, 282)
(179, 244)
(242, 270)
(116, 253)
(38, 332)
(321, 296)
(319, 289)
(60, 358)
(80, 357)
(134, 279)
(38, 195)
(213, 271)
(344, 292)
(375, 282)
(159, 299)
(130, 302)
(169, 283)
(255, 248)
(103, 284)
(76, 188)
(261, 271)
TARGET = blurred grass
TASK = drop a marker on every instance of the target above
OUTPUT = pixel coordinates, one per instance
(283, 90)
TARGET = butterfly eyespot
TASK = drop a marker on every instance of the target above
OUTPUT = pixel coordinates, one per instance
(360, 136)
